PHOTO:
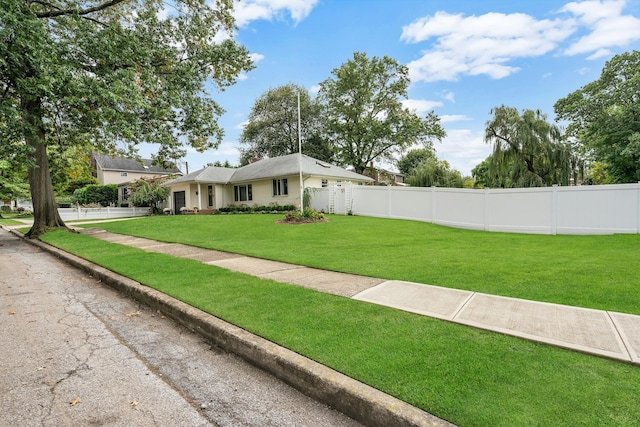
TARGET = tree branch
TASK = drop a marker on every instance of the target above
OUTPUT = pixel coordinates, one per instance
(81, 12)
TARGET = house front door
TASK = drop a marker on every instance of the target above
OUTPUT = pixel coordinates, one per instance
(179, 201)
(211, 201)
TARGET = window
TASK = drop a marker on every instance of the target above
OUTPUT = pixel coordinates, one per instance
(280, 187)
(123, 174)
(325, 183)
(242, 193)
(125, 193)
(339, 183)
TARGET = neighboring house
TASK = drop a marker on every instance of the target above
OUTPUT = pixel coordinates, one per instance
(265, 182)
(385, 177)
(121, 171)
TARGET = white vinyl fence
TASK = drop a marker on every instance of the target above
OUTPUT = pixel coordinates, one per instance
(68, 214)
(597, 209)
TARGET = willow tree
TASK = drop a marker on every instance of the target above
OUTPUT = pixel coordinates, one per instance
(528, 151)
(111, 74)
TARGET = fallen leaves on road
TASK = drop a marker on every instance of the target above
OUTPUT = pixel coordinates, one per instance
(134, 313)
(134, 403)
(12, 312)
(75, 401)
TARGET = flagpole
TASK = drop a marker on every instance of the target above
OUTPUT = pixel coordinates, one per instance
(300, 160)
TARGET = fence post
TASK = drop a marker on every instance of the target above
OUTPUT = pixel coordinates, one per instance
(638, 222)
(486, 209)
(388, 201)
(108, 212)
(78, 211)
(554, 209)
(433, 204)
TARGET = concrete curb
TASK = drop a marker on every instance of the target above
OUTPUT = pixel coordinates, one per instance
(353, 398)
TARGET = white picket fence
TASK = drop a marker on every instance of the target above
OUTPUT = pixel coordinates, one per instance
(597, 209)
(68, 214)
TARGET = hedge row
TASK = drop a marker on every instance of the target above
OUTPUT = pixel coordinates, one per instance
(256, 209)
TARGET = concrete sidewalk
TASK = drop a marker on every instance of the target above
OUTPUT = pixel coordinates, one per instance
(607, 334)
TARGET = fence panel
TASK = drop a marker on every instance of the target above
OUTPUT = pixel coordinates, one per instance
(521, 210)
(68, 214)
(459, 208)
(598, 209)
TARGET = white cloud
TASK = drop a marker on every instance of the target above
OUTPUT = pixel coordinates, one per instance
(464, 149)
(252, 10)
(314, 89)
(608, 26)
(227, 148)
(241, 126)
(420, 106)
(256, 57)
(449, 96)
(450, 118)
(484, 44)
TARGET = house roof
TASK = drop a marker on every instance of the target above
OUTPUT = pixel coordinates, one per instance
(208, 174)
(109, 163)
(271, 168)
(289, 165)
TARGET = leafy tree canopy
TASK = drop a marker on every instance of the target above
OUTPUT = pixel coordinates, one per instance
(408, 162)
(111, 74)
(272, 128)
(148, 192)
(604, 116)
(528, 151)
(13, 184)
(365, 118)
(435, 173)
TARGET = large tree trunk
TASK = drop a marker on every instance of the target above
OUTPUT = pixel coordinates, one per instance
(45, 209)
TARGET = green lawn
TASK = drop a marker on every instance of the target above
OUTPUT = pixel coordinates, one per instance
(590, 271)
(8, 221)
(467, 376)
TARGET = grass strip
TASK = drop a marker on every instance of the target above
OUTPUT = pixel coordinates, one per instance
(598, 272)
(6, 221)
(467, 376)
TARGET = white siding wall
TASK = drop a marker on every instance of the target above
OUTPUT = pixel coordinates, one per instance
(111, 177)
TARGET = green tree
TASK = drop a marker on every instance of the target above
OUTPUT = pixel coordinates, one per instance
(272, 128)
(104, 195)
(528, 151)
(435, 173)
(13, 182)
(407, 163)
(112, 74)
(604, 116)
(148, 192)
(365, 118)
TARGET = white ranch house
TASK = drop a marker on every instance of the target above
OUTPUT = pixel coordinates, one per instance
(265, 182)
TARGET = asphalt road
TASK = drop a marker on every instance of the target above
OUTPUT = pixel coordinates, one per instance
(73, 352)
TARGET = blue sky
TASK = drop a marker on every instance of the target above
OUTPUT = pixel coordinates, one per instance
(464, 57)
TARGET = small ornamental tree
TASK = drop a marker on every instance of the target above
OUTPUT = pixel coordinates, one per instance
(148, 192)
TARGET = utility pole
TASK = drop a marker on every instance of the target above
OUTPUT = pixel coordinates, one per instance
(300, 160)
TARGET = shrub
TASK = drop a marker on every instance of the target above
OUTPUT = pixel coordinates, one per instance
(307, 215)
(5, 209)
(236, 209)
(103, 195)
